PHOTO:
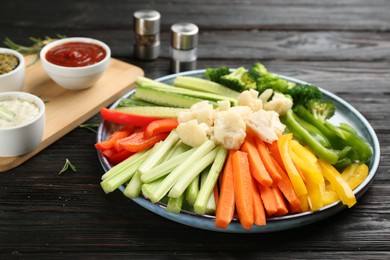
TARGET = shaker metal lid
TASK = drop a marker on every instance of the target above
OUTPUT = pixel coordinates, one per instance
(147, 22)
(184, 36)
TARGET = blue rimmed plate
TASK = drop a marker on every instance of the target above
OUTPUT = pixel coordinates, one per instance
(344, 113)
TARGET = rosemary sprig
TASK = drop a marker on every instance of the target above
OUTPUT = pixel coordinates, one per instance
(35, 48)
(91, 126)
(66, 166)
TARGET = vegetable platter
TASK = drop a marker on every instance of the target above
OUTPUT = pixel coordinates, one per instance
(201, 218)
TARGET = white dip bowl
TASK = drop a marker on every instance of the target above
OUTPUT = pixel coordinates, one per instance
(22, 123)
(74, 77)
(13, 80)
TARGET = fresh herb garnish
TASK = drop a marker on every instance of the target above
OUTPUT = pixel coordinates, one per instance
(91, 126)
(37, 46)
(67, 165)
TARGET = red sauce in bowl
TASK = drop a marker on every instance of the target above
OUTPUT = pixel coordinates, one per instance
(76, 54)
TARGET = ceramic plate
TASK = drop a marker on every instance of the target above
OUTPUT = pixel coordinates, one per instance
(344, 113)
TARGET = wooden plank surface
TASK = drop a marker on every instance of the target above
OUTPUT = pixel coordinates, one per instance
(342, 46)
(67, 109)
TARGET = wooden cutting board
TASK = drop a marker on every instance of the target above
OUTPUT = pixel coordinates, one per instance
(67, 109)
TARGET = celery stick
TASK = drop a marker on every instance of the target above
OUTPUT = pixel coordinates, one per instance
(192, 191)
(122, 166)
(170, 180)
(207, 186)
(158, 154)
(165, 167)
(133, 188)
(116, 180)
(179, 148)
(175, 204)
(149, 188)
(191, 172)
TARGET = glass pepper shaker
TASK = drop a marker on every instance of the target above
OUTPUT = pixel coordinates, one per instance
(184, 46)
(147, 34)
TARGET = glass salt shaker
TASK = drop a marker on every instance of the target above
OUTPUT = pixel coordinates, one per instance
(184, 46)
(147, 34)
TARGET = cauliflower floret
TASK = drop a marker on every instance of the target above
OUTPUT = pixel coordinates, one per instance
(266, 95)
(202, 111)
(279, 103)
(250, 98)
(223, 105)
(229, 129)
(266, 125)
(193, 134)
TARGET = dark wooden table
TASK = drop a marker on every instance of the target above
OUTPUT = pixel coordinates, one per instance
(342, 46)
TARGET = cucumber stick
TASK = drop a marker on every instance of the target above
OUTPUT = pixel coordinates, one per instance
(164, 98)
(191, 93)
(152, 111)
(204, 85)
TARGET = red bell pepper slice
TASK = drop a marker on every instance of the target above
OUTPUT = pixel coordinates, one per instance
(116, 157)
(122, 118)
(114, 137)
(137, 142)
(160, 126)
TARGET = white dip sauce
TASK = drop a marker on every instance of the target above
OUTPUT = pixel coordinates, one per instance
(18, 112)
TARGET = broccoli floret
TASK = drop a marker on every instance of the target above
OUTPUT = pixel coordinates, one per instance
(302, 94)
(265, 80)
(239, 80)
(257, 70)
(216, 74)
(321, 109)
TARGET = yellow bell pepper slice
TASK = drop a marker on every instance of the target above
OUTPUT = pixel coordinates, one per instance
(328, 196)
(308, 166)
(315, 196)
(355, 174)
(295, 178)
(338, 183)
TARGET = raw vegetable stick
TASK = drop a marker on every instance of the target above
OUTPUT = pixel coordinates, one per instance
(226, 202)
(242, 181)
(256, 165)
(258, 206)
(207, 186)
(274, 150)
(192, 191)
(191, 172)
(172, 178)
(293, 174)
(268, 198)
(280, 202)
(267, 160)
(338, 183)
(288, 191)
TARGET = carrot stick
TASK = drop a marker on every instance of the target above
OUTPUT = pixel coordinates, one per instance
(256, 165)
(242, 189)
(267, 160)
(288, 191)
(216, 194)
(258, 206)
(280, 202)
(274, 150)
(269, 200)
(226, 204)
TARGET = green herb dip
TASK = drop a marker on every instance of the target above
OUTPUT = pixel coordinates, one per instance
(8, 62)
